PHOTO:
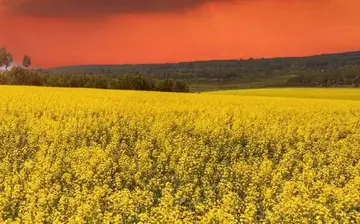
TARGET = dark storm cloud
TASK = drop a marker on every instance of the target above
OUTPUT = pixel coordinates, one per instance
(96, 8)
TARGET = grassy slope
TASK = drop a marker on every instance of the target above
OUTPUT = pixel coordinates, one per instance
(260, 83)
(314, 93)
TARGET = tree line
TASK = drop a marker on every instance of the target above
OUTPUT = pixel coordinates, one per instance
(37, 77)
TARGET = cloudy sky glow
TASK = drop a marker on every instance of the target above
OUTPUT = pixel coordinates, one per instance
(66, 32)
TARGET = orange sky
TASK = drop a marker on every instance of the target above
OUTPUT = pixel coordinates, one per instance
(252, 28)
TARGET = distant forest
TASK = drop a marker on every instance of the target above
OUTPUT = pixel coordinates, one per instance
(331, 70)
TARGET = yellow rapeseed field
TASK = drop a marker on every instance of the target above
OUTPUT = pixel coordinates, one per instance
(100, 156)
(310, 93)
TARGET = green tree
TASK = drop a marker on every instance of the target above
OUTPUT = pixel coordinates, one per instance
(5, 58)
(18, 76)
(26, 62)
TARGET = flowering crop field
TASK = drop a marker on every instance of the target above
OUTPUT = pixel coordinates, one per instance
(310, 93)
(101, 156)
